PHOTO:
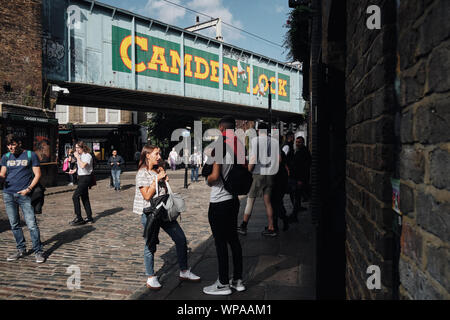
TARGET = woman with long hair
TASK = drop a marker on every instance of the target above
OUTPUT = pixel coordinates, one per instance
(84, 171)
(149, 177)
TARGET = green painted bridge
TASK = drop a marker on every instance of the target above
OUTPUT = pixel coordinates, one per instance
(108, 57)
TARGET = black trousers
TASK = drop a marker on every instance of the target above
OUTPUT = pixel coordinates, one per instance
(279, 211)
(82, 191)
(223, 221)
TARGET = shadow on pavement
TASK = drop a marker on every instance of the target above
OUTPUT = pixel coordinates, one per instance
(65, 237)
(126, 187)
(107, 213)
(5, 226)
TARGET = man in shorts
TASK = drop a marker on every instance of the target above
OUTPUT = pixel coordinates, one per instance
(262, 184)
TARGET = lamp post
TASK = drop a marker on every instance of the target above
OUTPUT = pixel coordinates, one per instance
(186, 134)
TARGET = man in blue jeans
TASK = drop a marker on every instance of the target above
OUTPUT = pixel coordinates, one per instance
(116, 162)
(17, 170)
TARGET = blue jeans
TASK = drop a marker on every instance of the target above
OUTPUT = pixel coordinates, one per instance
(12, 201)
(116, 178)
(194, 174)
(174, 230)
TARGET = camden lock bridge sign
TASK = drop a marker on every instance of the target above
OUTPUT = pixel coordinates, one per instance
(88, 49)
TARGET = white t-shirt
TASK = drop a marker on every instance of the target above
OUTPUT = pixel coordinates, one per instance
(218, 192)
(173, 155)
(286, 149)
(257, 144)
(144, 178)
(87, 170)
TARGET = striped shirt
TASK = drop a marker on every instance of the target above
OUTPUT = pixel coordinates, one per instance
(144, 178)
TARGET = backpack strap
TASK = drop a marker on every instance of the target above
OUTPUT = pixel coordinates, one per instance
(8, 155)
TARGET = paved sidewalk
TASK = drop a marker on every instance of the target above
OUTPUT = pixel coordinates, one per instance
(279, 268)
(109, 252)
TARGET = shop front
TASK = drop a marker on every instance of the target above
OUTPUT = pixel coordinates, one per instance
(38, 130)
(103, 139)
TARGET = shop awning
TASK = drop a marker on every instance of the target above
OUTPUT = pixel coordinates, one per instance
(64, 131)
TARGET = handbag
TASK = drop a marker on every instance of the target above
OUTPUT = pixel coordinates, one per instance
(66, 165)
(174, 205)
(168, 206)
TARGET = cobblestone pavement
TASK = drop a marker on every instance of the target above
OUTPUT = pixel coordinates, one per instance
(109, 252)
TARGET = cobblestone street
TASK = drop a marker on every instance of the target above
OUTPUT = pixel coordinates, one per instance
(108, 252)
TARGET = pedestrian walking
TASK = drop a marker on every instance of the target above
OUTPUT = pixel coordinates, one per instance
(280, 188)
(173, 157)
(84, 170)
(195, 161)
(222, 215)
(21, 170)
(148, 178)
(116, 162)
(69, 164)
(262, 184)
(300, 175)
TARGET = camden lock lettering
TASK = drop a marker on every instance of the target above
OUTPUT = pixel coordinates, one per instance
(161, 59)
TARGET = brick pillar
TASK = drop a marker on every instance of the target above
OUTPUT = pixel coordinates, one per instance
(424, 50)
(370, 75)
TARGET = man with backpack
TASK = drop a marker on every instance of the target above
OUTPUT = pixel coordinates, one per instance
(223, 211)
(18, 168)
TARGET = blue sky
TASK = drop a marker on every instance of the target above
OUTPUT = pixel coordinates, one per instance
(265, 18)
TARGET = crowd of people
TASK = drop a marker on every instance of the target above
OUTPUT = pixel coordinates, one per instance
(21, 171)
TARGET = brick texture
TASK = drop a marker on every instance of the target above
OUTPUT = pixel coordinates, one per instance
(21, 43)
(370, 92)
(423, 36)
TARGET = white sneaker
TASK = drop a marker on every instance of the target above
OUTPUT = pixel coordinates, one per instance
(218, 289)
(189, 276)
(70, 184)
(238, 285)
(153, 283)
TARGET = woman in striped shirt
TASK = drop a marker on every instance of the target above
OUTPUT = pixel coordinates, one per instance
(147, 178)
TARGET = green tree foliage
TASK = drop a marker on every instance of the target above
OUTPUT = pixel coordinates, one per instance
(161, 125)
(297, 41)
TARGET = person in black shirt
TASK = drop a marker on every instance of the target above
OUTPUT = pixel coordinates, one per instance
(299, 173)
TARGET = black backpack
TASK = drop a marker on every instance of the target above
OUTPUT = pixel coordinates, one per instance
(239, 179)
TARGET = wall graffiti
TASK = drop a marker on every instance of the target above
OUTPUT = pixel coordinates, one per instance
(54, 53)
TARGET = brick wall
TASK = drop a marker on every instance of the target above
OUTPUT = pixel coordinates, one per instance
(21, 57)
(370, 75)
(424, 39)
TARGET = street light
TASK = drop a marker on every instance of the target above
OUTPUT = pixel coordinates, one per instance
(186, 134)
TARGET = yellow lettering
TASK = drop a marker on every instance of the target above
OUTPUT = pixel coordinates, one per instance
(266, 85)
(187, 65)
(158, 58)
(227, 73)
(281, 90)
(214, 69)
(126, 43)
(199, 61)
(176, 62)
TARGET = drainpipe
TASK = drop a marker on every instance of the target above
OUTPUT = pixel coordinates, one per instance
(315, 151)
